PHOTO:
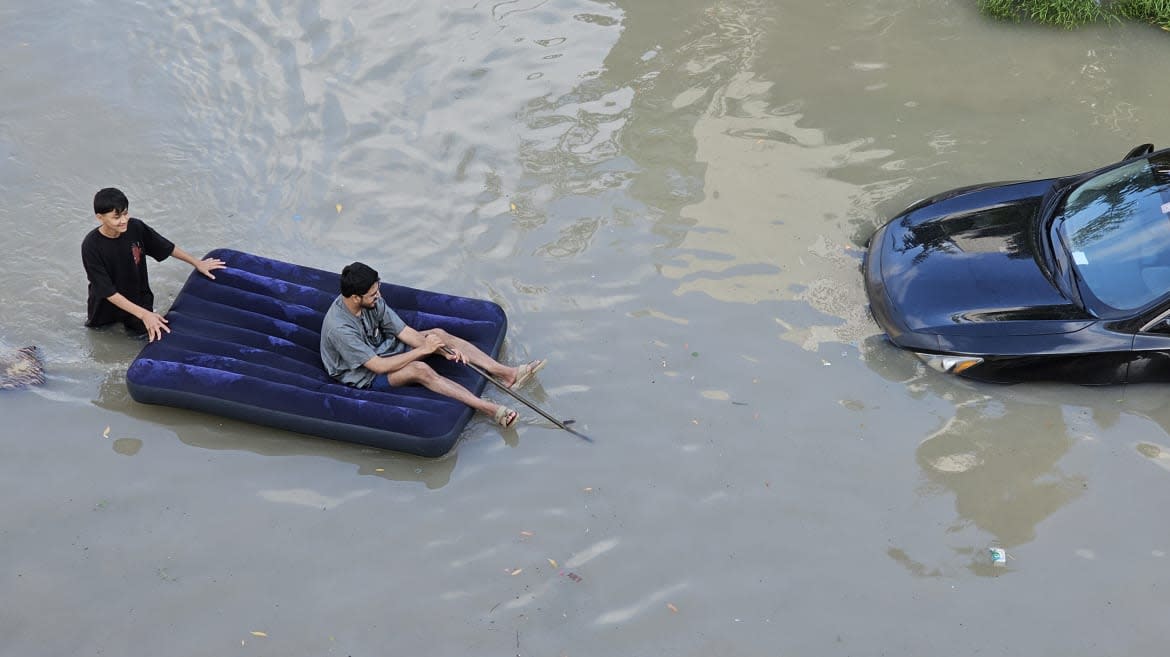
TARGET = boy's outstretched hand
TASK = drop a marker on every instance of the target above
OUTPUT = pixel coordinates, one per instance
(205, 266)
(209, 265)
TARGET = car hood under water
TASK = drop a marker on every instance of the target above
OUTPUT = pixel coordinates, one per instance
(969, 265)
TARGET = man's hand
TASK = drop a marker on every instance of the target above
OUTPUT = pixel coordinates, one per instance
(209, 265)
(432, 343)
(155, 325)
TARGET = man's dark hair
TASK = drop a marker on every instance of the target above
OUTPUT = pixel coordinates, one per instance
(357, 278)
(110, 200)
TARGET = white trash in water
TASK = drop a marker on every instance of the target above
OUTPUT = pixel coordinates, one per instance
(998, 556)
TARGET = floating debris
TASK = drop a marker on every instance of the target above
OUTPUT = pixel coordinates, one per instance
(127, 446)
(23, 368)
(998, 556)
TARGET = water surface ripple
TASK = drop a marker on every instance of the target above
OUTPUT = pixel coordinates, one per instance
(670, 200)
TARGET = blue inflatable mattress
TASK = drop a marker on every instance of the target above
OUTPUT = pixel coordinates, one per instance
(245, 346)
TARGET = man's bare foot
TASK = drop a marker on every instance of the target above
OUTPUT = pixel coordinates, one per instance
(504, 416)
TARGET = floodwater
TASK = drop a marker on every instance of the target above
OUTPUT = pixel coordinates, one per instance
(669, 199)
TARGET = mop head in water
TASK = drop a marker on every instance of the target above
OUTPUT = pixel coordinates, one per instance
(21, 368)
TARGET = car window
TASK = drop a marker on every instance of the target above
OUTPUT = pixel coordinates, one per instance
(1116, 227)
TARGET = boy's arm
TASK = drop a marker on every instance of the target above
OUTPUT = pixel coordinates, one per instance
(155, 323)
(204, 267)
(103, 286)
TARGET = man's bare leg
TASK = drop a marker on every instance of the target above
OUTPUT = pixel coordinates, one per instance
(422, 374)
(476, 356)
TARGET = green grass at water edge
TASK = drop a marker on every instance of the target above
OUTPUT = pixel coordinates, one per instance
(1074, 13)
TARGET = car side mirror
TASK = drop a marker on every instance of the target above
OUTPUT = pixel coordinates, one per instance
(1138, 151)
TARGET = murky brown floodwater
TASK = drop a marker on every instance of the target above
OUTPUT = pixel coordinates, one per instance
(669, 199)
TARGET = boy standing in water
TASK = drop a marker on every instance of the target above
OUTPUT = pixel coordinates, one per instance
(114, 258)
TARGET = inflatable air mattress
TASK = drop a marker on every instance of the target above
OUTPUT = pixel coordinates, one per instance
(245, 346)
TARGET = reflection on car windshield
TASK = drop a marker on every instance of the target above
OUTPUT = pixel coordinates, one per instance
(1117, 230)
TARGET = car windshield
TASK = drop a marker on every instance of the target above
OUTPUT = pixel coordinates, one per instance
(1116, 228)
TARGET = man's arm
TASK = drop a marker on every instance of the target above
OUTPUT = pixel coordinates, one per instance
(415, 338)
(423, 347)
(204, 267)
(154, 322)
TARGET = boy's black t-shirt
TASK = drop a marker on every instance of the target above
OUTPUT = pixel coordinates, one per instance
(118, 265)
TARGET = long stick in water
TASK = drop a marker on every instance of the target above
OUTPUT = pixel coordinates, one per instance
(523, 400)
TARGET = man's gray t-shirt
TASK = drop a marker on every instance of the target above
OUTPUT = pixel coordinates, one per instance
(348, 340)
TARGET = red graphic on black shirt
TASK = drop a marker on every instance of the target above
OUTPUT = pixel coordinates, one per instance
(136, 250)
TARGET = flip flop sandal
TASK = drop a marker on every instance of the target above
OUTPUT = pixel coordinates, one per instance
(505, 417)
(526, 372)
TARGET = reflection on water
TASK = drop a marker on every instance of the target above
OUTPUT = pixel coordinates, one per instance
(760, 230)
(1151, 402)
(998, 455)
(765, 223)
(999, 459)
(127, 446)
(216, 433)
(311, 498)
(999, 452)
(667, 198)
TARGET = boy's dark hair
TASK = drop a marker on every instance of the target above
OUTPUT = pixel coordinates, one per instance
(357, 278)
(110, 200)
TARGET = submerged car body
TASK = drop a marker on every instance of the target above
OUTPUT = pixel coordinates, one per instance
(1064, 279)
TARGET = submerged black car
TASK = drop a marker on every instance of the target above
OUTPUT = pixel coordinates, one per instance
(1062, 279)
